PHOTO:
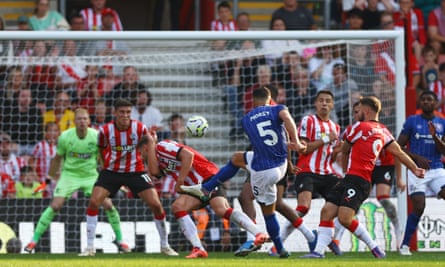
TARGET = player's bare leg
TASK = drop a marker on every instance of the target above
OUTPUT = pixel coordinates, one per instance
(181, 208)
(246, 199)
(151, 198)
(304, 200)
(293, 220)
(223, 209)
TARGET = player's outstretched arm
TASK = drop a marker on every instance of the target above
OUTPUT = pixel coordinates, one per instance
(186, 157)
(345, 149)
(291, 128)
(395, 149)
(400, 183)
(147, 147)
(54, 167)
(422, 162)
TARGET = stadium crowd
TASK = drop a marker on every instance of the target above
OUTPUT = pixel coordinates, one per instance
(38, 101)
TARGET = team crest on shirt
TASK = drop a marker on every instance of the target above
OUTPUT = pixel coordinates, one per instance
(91, 145)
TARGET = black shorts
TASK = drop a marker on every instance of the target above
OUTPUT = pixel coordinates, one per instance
(315, 183)
(350, 192)
(383, 175)
(112, 181)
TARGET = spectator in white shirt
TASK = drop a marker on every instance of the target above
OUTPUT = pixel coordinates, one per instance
(145, 112)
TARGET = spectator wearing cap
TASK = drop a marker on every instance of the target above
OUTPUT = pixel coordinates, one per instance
(45, 19)
(23, 23)
(107, 19)
(145, 112)
(355, 19)
(93, 16)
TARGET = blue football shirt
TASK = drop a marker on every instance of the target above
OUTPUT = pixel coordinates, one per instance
(267, 135)
(421, 141)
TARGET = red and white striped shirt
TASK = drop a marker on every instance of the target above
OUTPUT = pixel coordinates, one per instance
(43, 153)
(385, 158)
(7, 186)
(12, 166)
(202, 169)
(312, 128)
(168, 185)
(119, 148)
(368, 138)
(93, 20)
(218, 25)
(439, 89)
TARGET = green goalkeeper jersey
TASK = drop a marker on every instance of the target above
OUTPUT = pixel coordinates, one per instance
(79, 155)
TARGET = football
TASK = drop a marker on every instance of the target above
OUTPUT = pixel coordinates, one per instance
(14, 245)
(197, 126)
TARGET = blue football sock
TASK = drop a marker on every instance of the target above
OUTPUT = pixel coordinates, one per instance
(411, 226)
(273, 228)
(224, 174)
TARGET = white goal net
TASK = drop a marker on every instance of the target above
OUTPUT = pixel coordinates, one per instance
(43, 75)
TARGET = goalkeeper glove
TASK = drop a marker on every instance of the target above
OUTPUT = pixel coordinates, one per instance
(42, 186)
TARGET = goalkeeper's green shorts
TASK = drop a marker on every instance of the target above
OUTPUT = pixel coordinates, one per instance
(66, 186)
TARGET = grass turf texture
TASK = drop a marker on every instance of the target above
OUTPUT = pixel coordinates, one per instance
(364, 259)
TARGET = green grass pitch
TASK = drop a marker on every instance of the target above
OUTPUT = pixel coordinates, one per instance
(364, 259)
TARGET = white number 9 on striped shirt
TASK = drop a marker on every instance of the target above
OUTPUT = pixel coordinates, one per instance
(377, 146)
(267, 133)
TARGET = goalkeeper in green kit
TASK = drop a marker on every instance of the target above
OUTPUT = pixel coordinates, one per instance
(77, 155)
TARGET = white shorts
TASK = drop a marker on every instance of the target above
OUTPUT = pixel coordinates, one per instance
(432, 183)
(263, 183)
